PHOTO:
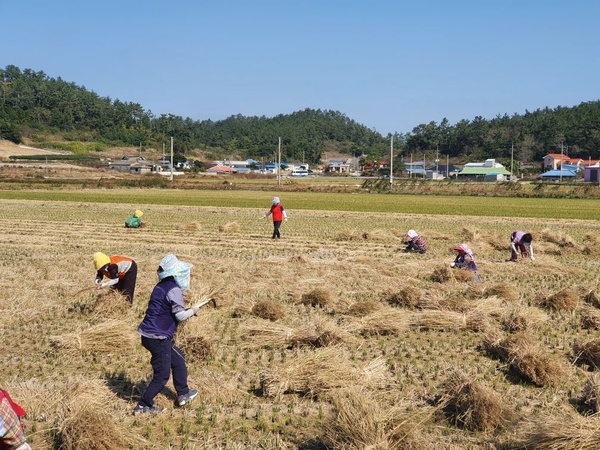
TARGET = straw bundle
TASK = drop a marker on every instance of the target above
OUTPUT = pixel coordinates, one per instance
(190, 226)
(196, 348)
(313, 374)
(564, 241)
(590, 319)
(587, 353)
(523, 319)
(406, 298)
(471, 405)
(106, 337)
(230, 227)
(563, 300)
(268, 309)
(384, 322)
(463, 275)
(349, 235)
(590, 395)
(526, 359)
(316, 297)
(363, 308)
(559, 433)
(359, 422)
(593, 298)
(506, 291)
(442, 274)
(438, 320)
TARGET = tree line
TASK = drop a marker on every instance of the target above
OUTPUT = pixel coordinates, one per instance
(33, 103)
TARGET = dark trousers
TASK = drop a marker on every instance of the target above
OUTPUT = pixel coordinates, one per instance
(126, 285)
(166, 358)
(520, 248)
(276, 225)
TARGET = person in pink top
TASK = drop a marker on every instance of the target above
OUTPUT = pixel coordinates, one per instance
(520, 242)
(279, 215)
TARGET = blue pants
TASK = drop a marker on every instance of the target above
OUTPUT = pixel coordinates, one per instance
(166, 358)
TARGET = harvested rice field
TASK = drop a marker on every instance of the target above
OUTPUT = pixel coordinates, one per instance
(329, 338)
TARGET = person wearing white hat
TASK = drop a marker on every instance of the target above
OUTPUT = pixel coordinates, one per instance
(415, 242)
(279, 214)
(165, 311)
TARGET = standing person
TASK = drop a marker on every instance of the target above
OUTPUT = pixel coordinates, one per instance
(465, 259)
(279, 214)
(12, 435)
(520, 242)
(415, 242)
(134, 221)
(120, 270)
(165, 311)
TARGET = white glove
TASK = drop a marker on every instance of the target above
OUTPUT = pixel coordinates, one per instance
(532, 258)
(452, 264)
(285, 219)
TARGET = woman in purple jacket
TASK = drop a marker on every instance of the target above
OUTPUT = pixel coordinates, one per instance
(165, 310)
(520, 242)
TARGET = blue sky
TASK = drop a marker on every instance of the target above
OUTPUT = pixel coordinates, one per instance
(389, 65)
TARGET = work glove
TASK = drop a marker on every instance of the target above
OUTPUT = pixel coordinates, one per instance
(285, 220)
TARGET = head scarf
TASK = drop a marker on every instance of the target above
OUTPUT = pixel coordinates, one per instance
(179, 270)
(412, 234)
(464, 248)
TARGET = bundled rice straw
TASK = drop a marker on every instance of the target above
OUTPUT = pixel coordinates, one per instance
(363, 308)
(406, 298)
(359, 422)
(317, 297)
(587, 353)
(590, 395)
(230, 227)
(590, 318)
(269, 309)
(526, 359)
(471, 405)
(314, 374)
(522, 319)
(387, 321)
(563, 300)
(438, 320)
(107, 337)
(559, 433)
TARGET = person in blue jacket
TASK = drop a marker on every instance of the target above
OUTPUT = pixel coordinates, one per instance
(165, 311)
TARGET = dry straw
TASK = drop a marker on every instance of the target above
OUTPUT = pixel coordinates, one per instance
(359, 422)
(587, 353)
(590, 318)
(363, 308)
(525, 358)
(386, 321)
(317, 297)
(317, 373)
(230, 227)
(590, 395)
(564, 300)
(407, 297)
(106, 337)
(471, 405)
(571, 432)
(268, 309)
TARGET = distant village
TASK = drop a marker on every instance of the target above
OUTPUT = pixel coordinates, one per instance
(556, 166)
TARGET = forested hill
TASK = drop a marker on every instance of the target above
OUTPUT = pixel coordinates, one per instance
(33, 105)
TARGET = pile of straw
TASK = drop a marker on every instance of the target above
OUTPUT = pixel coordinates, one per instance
(590, 395)
(317, 297)
(559, 433)
(359, 422)
(563, 300)
(386, 321)
(407, 297)
(196, 348)
(590, 318)
(106, 337)
(593, 298)
(230, 227)
(268, 309)
(363, 308)
(587, 353)
(317, 373)
(525, 358)
(471, 405)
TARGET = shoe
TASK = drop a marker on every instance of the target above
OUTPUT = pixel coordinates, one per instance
(186, 398)
(139, 409)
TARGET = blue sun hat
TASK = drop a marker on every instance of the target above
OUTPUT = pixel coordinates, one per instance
(179, 270)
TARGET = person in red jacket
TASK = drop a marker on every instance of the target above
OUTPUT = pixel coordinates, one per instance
(121, 272)
(279, 215)
(12, 434)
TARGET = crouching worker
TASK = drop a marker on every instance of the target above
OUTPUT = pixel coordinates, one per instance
(520, 242)
(415, 242)
(134, 221)
(465, 259)
(12, 435)
(165, 311)
(121, 272)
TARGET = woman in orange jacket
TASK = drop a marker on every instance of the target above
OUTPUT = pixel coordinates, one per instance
(121, 272)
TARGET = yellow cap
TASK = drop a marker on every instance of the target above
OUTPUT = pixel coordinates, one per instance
(100, 260)
(138, 213)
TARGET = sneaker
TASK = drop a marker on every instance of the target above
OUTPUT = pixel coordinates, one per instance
(139, 409)
(186, 398)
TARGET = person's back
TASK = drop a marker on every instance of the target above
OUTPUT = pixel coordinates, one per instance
(135, 220)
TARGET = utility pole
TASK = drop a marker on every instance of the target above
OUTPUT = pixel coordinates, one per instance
(391, 162)
(561, 159)
(171, 176)
(512, 149)
(279, 163)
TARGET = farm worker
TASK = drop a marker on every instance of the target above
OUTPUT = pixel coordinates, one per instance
(12, 435)
(165, 311)
(121, 272)
(415, 242)
(279, 214)
(134, 221)
(520, 242)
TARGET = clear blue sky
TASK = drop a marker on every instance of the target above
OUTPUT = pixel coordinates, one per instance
(389, 65)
